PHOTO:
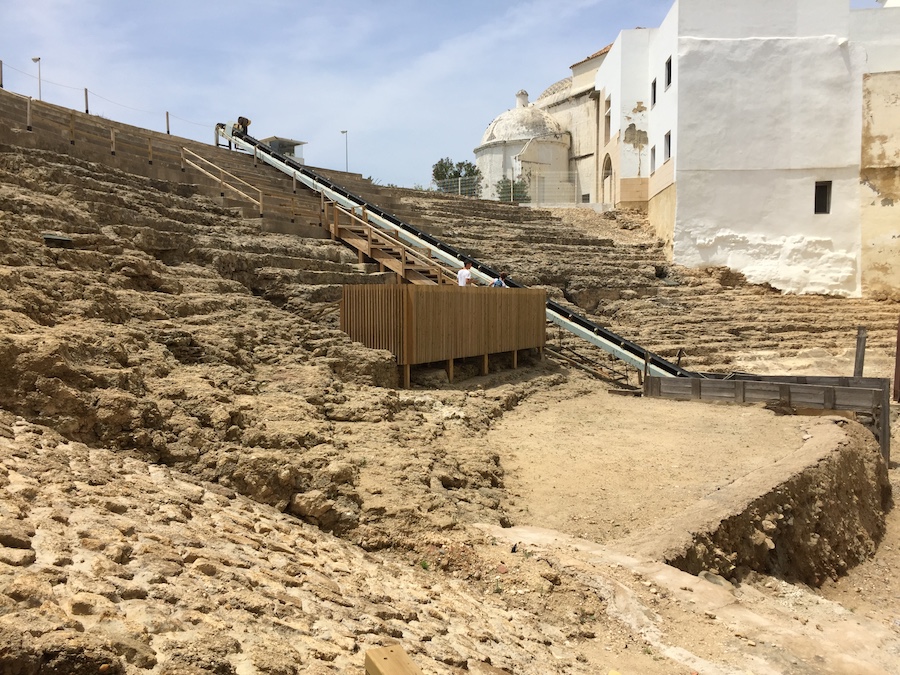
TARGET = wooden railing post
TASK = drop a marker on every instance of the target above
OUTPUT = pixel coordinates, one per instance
(72, 129)
(112, 141)
(860, 351)
(149, 150)
(28, 114)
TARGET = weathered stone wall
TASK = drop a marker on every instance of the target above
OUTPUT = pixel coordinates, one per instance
(821, 514)
(880, 189)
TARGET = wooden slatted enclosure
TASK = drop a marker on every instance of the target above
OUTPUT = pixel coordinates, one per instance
(867, 395)
(427, 324)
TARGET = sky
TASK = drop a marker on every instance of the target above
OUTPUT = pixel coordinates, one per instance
(411, 81)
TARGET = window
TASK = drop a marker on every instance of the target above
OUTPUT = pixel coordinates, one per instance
(586, 198)
(668, 72)
(823, 196)
(653, 93)
(667, 148)
(607, 122)
(653, 159)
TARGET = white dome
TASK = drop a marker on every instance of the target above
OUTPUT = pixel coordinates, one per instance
(521, 123)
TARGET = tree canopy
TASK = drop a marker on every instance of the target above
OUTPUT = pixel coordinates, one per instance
(446, 169)
(461, 178)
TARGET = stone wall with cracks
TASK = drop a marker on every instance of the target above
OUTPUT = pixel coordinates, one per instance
(822, 514)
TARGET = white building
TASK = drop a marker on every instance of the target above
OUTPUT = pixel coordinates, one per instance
(761, 136)
(524, 142)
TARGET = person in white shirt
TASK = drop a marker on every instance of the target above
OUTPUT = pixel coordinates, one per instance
(464, 276)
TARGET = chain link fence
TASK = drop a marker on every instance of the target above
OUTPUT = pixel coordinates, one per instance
(532, 187)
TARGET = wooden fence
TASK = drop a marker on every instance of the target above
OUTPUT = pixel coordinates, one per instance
(870, 395)
(427, 324)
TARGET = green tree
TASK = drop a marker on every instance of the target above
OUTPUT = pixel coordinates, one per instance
(512, 191)
(458, 178)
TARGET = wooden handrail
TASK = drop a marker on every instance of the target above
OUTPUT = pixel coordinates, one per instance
(407, 251)
(221, 182)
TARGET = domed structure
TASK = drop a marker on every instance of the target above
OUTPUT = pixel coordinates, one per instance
(523, 122)
(520, 145)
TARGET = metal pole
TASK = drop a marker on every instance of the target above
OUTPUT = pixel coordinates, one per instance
(1, 74)
(346, 152)
(167, 123)
(37, 60)
(860, 351)
(87, 110)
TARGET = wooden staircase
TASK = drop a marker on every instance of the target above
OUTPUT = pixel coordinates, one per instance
(411, 264)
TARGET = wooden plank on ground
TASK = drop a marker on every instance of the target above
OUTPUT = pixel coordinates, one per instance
(390, 660)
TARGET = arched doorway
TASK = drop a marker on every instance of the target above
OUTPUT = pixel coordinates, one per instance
(607, 182)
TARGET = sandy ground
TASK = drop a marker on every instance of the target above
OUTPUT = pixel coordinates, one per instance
(600, 466)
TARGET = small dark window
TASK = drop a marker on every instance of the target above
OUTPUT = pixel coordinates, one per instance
(668, 72)
(653, 93)
(586, 199)
(667, 148)
(823, 196)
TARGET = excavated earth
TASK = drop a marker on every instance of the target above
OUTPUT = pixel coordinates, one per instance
(199, 473)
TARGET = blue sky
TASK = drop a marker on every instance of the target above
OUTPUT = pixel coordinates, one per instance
(411, 80)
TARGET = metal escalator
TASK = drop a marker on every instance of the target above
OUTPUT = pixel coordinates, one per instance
(625, 350)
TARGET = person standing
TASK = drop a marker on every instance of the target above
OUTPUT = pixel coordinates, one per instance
(464, 276)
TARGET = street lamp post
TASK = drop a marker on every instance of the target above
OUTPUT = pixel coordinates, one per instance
(37, 60)
(346, 153)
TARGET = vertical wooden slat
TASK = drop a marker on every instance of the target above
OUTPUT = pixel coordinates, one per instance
(860, 359)
(897, 366)
(884, 423)
(422, 324)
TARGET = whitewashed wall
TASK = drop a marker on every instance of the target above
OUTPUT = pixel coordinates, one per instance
(714, 19)
(497, 161)
(663, 117)
(631, 106)
(878, 32)
(754, 114)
